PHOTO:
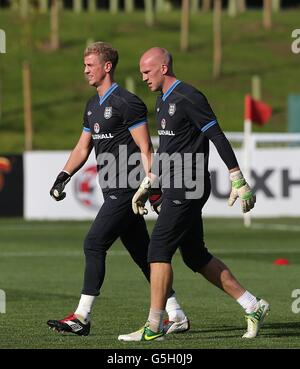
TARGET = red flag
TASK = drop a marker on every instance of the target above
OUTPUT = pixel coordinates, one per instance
(257, 111)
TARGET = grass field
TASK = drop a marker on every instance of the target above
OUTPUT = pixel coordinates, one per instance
(59, 92)
(41, 270)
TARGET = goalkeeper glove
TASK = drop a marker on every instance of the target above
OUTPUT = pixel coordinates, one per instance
(60, 183)
(141, 196)
(155, 199)
(241, 189)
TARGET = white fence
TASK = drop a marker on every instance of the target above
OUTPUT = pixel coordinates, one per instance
(256, 138)
(275, 177)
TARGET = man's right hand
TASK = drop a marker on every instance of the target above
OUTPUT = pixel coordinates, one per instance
(141, 196)
(58, 187)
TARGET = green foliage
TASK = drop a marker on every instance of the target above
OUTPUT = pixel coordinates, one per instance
(59, 91)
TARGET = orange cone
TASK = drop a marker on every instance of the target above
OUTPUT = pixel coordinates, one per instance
(281, 261)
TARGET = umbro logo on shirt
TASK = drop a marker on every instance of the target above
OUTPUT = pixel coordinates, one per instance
(89, 113)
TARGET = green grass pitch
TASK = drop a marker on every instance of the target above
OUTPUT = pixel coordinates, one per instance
(41, 272)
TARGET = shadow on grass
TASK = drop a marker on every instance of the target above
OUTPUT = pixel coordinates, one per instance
(284, 329)
(31, 295)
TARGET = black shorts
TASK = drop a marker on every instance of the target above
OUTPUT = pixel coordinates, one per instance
(179, 225)
(117, 219)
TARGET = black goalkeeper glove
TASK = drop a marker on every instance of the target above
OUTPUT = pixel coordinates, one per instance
(155, 199)
(60, 183)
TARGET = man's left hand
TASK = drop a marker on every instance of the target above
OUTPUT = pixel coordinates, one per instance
(155, 199)
(241, 189)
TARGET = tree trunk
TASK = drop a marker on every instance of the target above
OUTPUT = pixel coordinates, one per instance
(206, 5)
(159, 6)
(54, 25)
(92, 6)
(43, 6)
(217, 64)
(114, 6)
(14, 4)
(241, 6)
(195, 6)
(24, 8)
(276, 4)
(185, 18)
(129, 6)
(232, 8)
(267, 14)
(149, 12)
(2, 42)
(256, 87)
(77, 6)
(27, 106)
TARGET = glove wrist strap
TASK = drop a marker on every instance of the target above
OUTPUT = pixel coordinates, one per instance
(237, 179)
(238, 183)
(146, 183)
(65, 171)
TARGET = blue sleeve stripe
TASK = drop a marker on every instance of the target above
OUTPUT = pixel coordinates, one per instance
(85, 129)
(144, 119)
(208, 125)
(140, 123)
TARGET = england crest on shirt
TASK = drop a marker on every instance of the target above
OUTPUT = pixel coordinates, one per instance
(172, 109)
(108, 112)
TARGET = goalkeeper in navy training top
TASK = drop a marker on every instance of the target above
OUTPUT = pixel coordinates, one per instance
(115, 125)
(185, 124)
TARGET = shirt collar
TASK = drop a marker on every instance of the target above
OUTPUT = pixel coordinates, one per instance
(108, 93)
(170, 90)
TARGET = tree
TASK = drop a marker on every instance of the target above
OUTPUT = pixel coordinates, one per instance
(217, 63)
(232, 8)
(114, 6)
(276, 4)
(185, 19)
(24, 8)
(267, 14)
(92, 6)
(206, 5)
(129, 6)
(195, 6)
(77, 6)
(149, 12)
(43, 6)
(241, 6)
(54, 25)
